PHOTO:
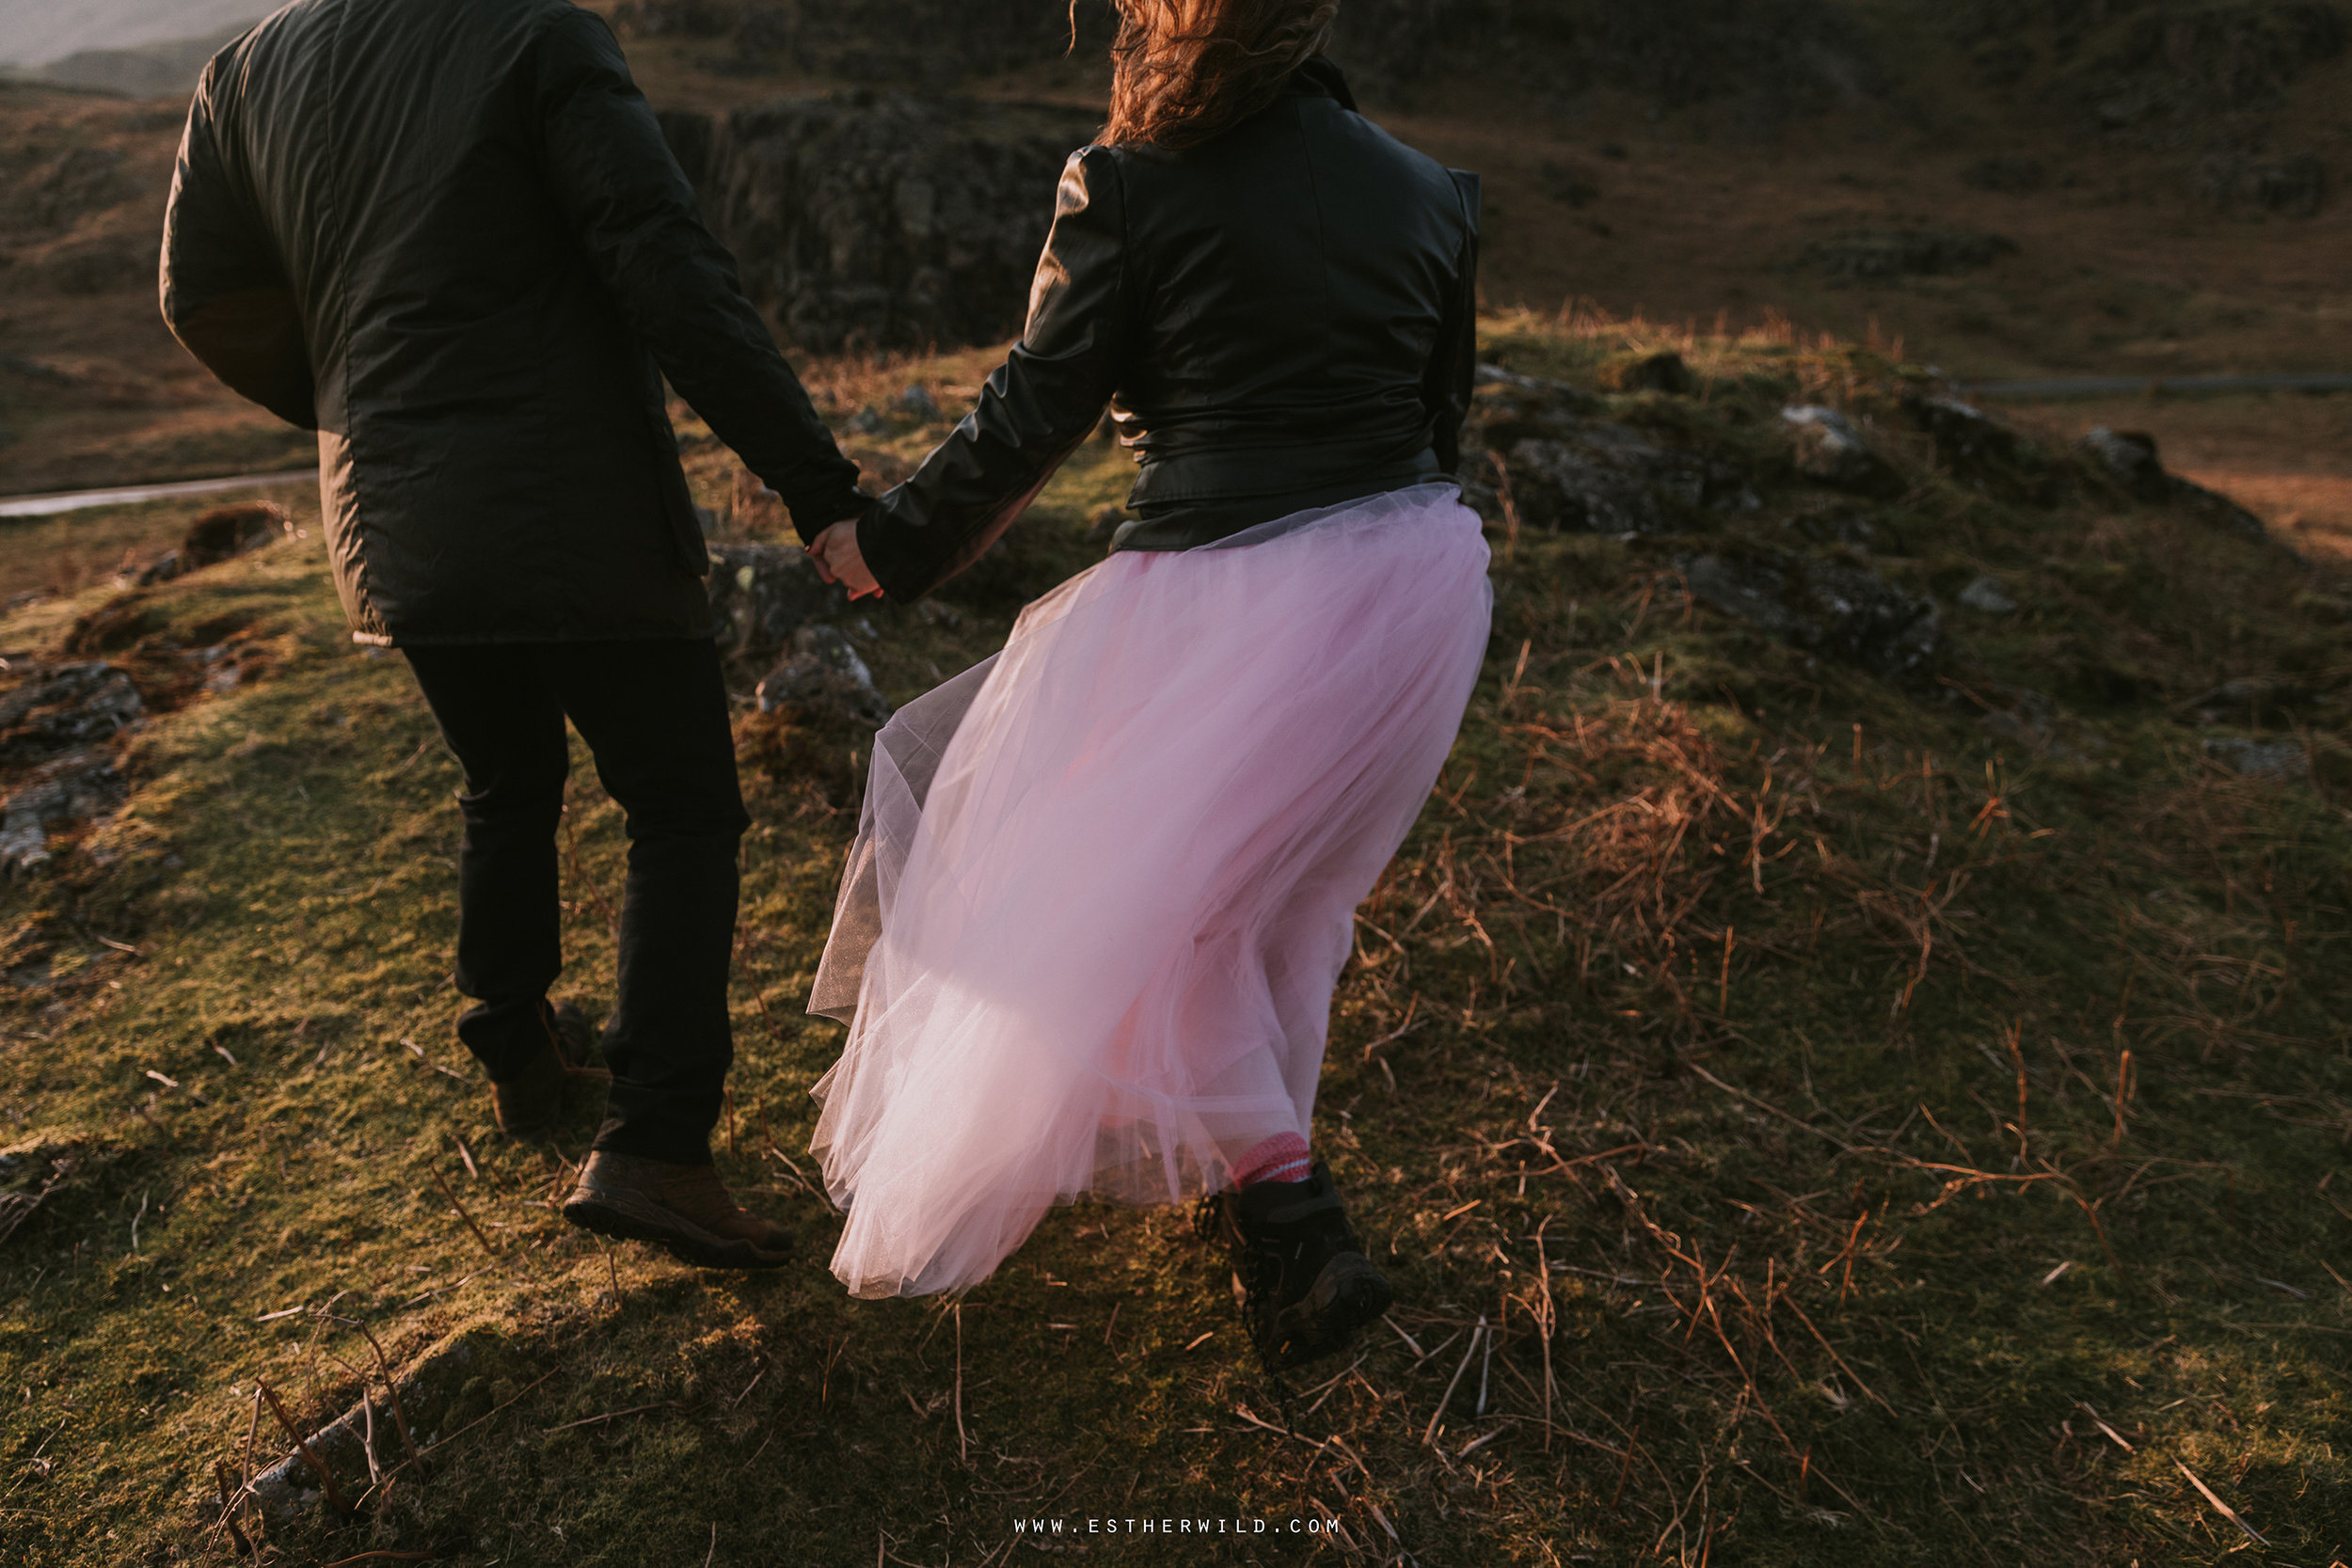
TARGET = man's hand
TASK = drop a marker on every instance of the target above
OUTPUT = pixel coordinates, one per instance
(837, 559)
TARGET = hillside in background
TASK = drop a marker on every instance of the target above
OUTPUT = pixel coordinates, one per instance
(39, 33)
(1994, 188)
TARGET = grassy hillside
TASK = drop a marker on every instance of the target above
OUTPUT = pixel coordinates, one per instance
(1811, 1117)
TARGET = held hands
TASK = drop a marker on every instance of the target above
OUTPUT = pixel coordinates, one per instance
(835, 553)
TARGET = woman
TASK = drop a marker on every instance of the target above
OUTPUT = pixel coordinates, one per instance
(1104, 881)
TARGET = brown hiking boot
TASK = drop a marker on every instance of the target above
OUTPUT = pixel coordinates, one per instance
(528, 1104)
(686, 1210)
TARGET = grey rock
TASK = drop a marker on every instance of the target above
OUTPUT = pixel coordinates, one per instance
(1601, 477)
(1831, 607)
(2260, 759)
(1986, 593)
(1838, 525)
(2130, 458)
(883, 221)
(1827, 448)
(2183, 65)
(1529, 396)
(825, 676)
(1971, 445)
(2036, 723)
(221, 535)
(432, 1396)
(57, 708)
(867, 421)
(75, 787)
(917, 402)
(2249, 700)
(1874, 255)
(164, 567)
(761, 594)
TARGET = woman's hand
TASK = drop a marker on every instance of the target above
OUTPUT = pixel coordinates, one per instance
(837, 559)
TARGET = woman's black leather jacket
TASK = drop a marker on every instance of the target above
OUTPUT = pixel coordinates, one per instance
(1280, 318)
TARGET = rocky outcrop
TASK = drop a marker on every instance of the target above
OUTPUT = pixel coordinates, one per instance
(439, 1395)
(826, 676)
(76, 787)
(1569, 472)
(2216, 57)
(1831, 608)
(53, 726)
(1875, 255)
(761, 594)
(1985, 594)
(2129, 458)
(2260, 759)
(221, 535)
(883, 221)
(1826, 448)
(55, 708)
(1974, 447)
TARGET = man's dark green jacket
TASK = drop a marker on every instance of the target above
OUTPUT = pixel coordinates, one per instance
(447, 234)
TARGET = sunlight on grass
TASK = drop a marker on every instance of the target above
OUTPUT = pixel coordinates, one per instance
(1807, 1122)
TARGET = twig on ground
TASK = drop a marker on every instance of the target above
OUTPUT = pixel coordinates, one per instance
(2223, 1509)
(1429, 1434)
(478, 1233)
(327, 1477)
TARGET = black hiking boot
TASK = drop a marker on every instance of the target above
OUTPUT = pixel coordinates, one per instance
(528, 1104)
(1307, 1286)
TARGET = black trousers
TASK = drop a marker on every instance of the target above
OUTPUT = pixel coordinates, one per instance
(655, 715)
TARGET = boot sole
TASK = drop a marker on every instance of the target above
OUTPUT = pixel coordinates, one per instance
(1347, 1294)
(630, 1218)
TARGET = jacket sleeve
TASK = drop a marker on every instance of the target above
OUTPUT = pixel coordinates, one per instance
(223, 290)
(1037, 408)
(1453, 371)
(620, 189)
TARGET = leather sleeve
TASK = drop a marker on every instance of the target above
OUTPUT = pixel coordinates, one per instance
(222, 292)
(1447, 385)
(1035, 410)
(621, 190)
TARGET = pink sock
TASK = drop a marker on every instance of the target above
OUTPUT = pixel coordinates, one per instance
(1280, 1158)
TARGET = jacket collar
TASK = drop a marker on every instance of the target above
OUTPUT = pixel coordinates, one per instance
(1317, 76)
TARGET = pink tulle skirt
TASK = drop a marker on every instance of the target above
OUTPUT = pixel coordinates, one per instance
(1105, 879)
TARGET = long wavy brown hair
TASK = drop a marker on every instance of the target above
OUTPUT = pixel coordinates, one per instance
(1185, 70)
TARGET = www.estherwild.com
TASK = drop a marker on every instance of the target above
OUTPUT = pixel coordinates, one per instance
(1094, 1525)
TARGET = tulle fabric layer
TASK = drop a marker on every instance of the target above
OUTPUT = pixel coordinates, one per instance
(1104, 880)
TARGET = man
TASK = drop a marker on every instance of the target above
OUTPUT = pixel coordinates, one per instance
(447, 234)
